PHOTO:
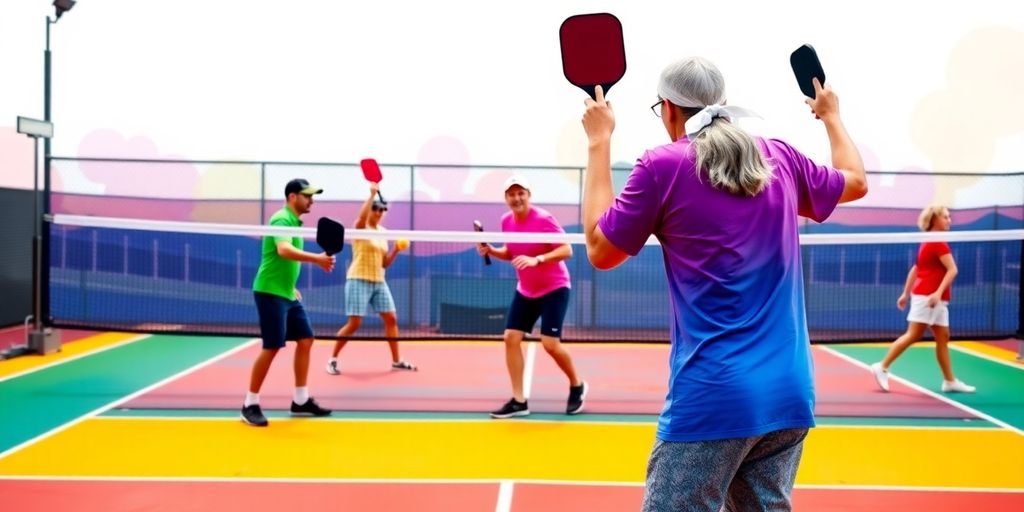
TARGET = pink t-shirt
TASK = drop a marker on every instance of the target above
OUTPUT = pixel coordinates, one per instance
(544, 278)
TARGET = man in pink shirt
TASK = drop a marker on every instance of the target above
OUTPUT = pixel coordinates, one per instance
(542, 292)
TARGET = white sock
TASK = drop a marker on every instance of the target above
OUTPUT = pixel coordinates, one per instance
(301, 395)
(251, 399)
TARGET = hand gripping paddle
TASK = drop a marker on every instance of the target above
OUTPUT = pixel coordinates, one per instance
(480, 228)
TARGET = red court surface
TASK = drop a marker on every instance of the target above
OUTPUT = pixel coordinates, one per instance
(471, 377)
(179, 496)
(1011, 345)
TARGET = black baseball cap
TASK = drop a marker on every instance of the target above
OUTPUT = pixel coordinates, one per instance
(301, 186)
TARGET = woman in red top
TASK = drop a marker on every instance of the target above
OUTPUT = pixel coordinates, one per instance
(928, 286)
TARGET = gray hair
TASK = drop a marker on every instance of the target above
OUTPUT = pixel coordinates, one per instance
(726, 153)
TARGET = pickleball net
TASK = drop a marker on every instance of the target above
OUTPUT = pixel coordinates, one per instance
(196, 278)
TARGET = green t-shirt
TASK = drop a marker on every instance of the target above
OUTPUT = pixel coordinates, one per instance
(278, 275)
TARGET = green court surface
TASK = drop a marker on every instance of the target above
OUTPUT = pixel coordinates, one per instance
(1000, 385)
(51, 397)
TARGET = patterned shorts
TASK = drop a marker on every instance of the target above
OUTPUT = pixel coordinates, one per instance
(359, 293)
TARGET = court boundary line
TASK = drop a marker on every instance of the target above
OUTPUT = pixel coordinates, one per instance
(100, 410)
(486, 419)
(505, 490)
(478, 481)
(917, 427)
(966, 408)
(982, 355)
(327, 419)
(76, 357)
(528, 368)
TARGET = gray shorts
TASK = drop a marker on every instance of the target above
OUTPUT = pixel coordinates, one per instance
(744, 474)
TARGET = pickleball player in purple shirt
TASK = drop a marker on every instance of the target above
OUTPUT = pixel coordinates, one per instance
(725, 207)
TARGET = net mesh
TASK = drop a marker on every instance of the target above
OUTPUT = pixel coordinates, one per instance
(156, 276)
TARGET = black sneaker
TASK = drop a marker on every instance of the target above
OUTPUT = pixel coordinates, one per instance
(253, 415)
(310, 408)
(576, 396)
(511, 409)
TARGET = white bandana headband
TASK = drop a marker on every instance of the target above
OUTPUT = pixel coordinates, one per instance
(703, 119)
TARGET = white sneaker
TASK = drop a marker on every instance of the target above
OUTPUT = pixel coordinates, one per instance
(956, 386)
(403, 365)
(332, 367)
(881, 376)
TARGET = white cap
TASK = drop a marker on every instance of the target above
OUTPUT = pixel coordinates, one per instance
(516, 179)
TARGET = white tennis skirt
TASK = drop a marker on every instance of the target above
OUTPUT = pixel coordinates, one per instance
(922, 314)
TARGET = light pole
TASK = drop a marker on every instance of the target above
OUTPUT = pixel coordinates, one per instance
(41, 339)
(48, 339)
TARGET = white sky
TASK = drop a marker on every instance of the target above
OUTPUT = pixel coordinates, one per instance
(464, 82)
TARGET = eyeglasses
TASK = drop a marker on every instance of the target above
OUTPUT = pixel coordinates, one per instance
(656, 108)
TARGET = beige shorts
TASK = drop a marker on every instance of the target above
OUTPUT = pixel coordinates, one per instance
(922, 314)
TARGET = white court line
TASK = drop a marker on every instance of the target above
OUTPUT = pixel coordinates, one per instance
(470, 481)
(75, 358)
(937, 396)
(484, 418)
(504, 496)
(122, 400)
(912, 427)
(531, 359)
(975, 353)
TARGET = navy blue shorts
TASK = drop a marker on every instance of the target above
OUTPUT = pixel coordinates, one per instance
(281, 319)
(550, 308)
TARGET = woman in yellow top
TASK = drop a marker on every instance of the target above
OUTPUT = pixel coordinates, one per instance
(365, 284)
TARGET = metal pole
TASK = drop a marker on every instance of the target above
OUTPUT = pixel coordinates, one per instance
(37, 245)
(1020, 306)
(44, 270)
(263, 193)
(411, 311)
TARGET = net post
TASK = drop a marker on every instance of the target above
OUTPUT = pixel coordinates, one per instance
(410, 310)
(263, 193)
(1020, 308)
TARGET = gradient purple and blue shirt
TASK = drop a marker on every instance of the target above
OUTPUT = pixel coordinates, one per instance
(740, 363)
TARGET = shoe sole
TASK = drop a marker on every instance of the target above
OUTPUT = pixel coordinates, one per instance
(247, 422)
(516, 414)
(583, 400)
(310, 415)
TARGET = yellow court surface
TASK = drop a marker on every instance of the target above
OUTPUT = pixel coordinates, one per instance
(592, 452)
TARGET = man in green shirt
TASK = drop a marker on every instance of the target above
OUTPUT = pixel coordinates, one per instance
(282, 316)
